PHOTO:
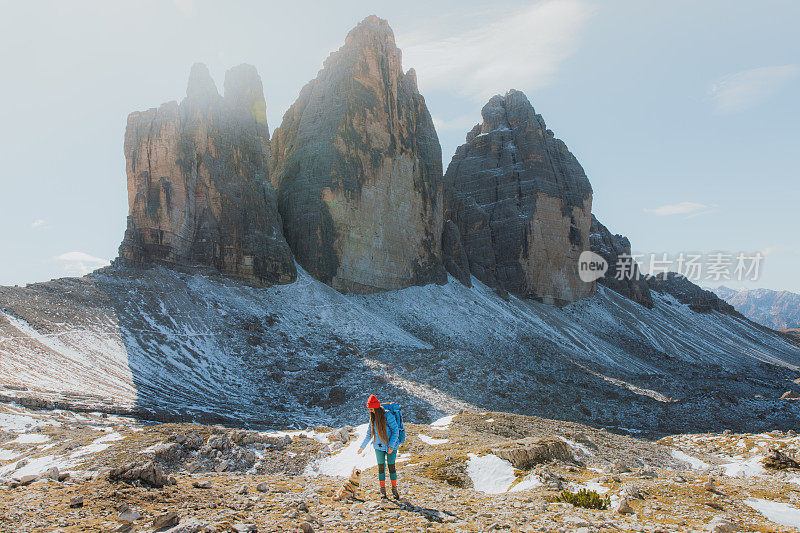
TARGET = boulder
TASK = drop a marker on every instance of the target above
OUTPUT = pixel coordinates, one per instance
(51, 473)
(632, 492)
(358, 169)
(193, 466)
(778, 460)
(76, 502)
(522, 204)
(721, 525)
(198, 182)
(624, 507)
(190, 526)
(167, 451)
(21, 481)
(530, 451)
(129, 515)
(165, 520)
(341, 435)
(146, 473)
(219, 442)
(243, 437)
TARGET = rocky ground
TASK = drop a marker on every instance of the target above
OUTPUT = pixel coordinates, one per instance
(172, 346)
(67, 471)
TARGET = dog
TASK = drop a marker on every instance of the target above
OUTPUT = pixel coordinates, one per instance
(351, 488)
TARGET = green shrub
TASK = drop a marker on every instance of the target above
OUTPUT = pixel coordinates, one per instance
(588, 499)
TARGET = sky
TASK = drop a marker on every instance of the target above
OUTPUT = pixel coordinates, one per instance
(684, 114)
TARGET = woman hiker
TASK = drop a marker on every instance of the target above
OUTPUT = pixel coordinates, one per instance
(383, 431)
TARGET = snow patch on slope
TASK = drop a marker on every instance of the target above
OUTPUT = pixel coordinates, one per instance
(490, 474)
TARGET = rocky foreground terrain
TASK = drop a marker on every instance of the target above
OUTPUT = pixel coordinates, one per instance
(476, 471)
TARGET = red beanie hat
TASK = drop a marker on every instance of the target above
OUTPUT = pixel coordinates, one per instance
(372, 402)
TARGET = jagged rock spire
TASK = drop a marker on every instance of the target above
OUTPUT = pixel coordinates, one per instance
(198, 182)
(357, 165)
(522, 204)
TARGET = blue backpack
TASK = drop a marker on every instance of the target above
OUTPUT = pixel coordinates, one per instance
(394, 409)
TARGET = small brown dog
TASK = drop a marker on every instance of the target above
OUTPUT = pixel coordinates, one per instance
(351, 487)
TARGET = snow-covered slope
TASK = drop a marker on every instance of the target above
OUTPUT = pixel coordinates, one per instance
(164, 344)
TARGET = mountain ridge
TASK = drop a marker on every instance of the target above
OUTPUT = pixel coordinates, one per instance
(779, 310)
(171, 345)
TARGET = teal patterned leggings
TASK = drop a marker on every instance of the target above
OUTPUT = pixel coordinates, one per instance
(383, 459)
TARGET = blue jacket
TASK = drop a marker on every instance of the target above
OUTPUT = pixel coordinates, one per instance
(392, 431)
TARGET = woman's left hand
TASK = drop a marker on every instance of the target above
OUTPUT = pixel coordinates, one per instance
(391, 450)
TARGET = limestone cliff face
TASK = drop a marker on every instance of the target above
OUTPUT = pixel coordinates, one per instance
(628, 282)
(522, 204)
(198, 182)
(357, 166)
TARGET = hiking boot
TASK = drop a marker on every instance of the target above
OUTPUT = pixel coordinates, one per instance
(383, 494)
(395, 493)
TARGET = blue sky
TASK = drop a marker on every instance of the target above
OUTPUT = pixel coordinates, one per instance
(683, 114)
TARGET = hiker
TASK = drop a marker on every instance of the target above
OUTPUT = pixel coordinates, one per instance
(387, 433)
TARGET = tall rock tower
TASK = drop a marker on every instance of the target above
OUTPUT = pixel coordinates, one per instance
(522, 205)
(358, 169)
(198, 182)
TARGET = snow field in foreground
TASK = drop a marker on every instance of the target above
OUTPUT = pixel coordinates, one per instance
(342, 462)
(741, 468)
(444, 422)
(490, 474)
(30, 438)
(694, 462)
(780, 513)
(493, 475)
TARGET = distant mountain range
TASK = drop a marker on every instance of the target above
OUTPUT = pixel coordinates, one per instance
(775, 309)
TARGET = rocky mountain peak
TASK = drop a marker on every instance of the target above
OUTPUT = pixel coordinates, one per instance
(198, 182)
(411, 81)
(357, 165)
(201, 85)
(243, 89)
(506, 112)
(372, 29)
(522, 203)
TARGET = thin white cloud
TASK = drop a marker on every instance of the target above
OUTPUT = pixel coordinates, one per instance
(463, 123)
(80, 264)
(39, 223)
(521, 49)
(187, 7)
(770, 250)
(681, 208)
(748, 88)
